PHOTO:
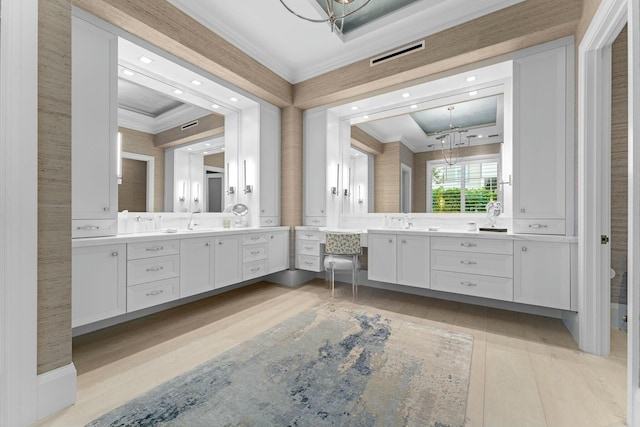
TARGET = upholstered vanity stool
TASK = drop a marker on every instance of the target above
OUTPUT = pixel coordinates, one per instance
(341, 253)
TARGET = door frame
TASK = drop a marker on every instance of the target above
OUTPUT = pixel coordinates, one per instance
(18, 207)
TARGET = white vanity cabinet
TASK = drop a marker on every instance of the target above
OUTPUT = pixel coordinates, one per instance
(153, 273)
(278, 251)
(401, 259)
(309, 254)
(94, 130)
(269, 166)
(196, 265)
(227, 260)
(542, 140)
(477, 267)
(99, 283)
(315, 168)
(543, 274)
(255, 256)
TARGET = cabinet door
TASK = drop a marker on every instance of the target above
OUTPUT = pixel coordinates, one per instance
(542, 274)
(278, 251)
(99, 288)
(195, 266)
(315, 158)
(413, 261)
(227, 266)
(382, 257)
(539, 127)
(269, 162)
(94, 122)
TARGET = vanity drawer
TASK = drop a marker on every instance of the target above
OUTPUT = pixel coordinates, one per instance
(269, 221)
(539, 226)
(461, 244)
(93, 228)
(150, 269)
(500, 288)
(250, 239)
(309, 263)
(473, 263)
(309, 235)
(315, 221)
(254, 252)
(154, 293)
(254, 269)
(308, 247)
(153, 249)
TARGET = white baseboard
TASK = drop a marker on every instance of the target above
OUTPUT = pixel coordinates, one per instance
(56, 390)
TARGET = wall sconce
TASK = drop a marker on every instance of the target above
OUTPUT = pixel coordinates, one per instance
(347, 192)
(334, 190)
(247, 188)
(197, 196)
(231, 190)
(119, 158)
(181, 198)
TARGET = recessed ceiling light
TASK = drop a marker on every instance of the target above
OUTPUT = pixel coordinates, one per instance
(145, 60)
(196, 82)
(233, 99)
(365, 117)
(473, 93)
(414, 106)
(128, 72)
(205, 152)
(189, 149)
(479, 136)
(216, 106)
(406, 95)
(178, 92)
(471, 78)
(222, 148)
(354, 108)
(207, 145)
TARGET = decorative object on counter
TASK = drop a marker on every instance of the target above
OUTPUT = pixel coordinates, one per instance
(240, 210)
(472, 226)
(493, 212)
(325, 366)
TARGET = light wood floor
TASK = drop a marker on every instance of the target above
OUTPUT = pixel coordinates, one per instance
(526, 370)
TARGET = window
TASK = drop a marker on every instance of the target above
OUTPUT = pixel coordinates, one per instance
(466, 186)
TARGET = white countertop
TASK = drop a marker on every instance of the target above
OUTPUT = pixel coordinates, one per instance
(149, 236)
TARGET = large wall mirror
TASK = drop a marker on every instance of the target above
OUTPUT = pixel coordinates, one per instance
(181, 124)
(440, 147)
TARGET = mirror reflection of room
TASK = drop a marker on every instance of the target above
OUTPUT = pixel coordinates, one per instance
(441, 159)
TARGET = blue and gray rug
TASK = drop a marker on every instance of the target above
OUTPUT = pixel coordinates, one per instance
(325, 367)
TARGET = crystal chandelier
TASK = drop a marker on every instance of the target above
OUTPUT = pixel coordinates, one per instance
(450, 140)
(335, 17)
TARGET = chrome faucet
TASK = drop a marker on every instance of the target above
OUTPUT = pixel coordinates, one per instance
(191, 224)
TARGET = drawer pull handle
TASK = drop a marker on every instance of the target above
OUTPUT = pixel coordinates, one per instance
(390, 241)
(255, 252)
(255, 238)
(114, 253)
(310, 235)
(524, 249)
(308, 263)
(537, 226)
(154, 293)
(469, 284)
(468, 245)
(468, 262)
(254, 269)
(150, 269)
(88, 227)
(309, 248)
(155, 249)
(269, 221)
(206, 244)
(404, 241)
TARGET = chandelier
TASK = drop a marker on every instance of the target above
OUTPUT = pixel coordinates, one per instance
(335, 17)
(451, 140)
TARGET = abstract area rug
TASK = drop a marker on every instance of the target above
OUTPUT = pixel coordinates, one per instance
(324, 367)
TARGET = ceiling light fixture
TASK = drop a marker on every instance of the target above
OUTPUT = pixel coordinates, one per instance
(233, 99)
(128, 72)
(334, 18)
(196, 82)
(145, 60)
(178, 92)
(365, 117)
(354, 108)
(216, 106)
(473, 93)
(414, 106)
(450, 140)
(471, 78)
(406, 95)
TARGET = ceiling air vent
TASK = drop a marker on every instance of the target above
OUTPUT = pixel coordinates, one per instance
(189, 125)
(401, 51)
